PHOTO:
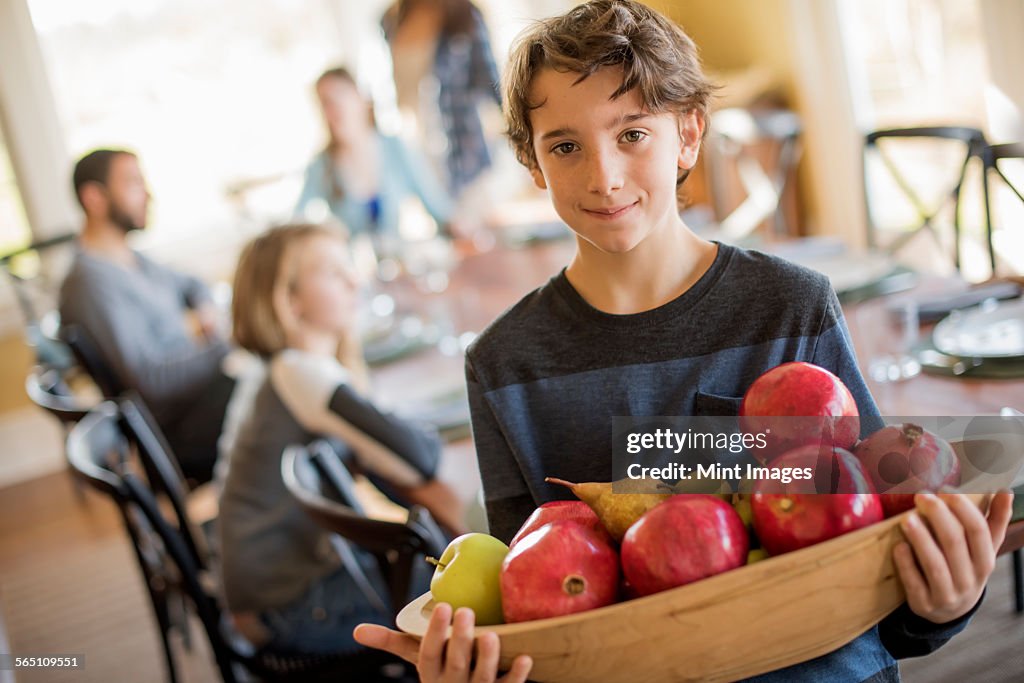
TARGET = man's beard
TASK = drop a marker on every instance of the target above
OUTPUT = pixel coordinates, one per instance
(124, 221)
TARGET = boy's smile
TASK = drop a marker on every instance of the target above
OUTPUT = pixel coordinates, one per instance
(610, 166)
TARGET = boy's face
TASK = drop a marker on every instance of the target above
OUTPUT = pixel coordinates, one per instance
(610, 166)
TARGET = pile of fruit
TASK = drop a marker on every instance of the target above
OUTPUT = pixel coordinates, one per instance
(573, 556)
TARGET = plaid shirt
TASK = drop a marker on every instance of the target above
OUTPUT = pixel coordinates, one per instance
(465, 71)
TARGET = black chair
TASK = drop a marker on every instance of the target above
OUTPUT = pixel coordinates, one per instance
(974, 147)
(163, 473)
(101, 455)
(48, 389)
(732, 136)
(28, 291)
(993, 155)
(322, 484)
(87, 354)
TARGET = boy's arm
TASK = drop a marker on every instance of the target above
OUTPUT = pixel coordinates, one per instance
(834, 351)
(904, 634)
(506, 495)
(944, 565)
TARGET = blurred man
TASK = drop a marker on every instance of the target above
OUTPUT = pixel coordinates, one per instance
(155, 329)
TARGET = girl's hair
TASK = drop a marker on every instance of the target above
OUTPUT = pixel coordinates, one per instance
(264, 280)
(337, 192)
(656, 56)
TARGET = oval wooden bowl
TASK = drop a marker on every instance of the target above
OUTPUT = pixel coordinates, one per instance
(755, 619)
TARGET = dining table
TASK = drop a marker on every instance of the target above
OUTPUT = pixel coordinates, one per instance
(481, 285)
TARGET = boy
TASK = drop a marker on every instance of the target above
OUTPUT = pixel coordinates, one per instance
(606, 107)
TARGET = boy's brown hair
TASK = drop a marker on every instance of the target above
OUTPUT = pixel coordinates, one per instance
(656, 57)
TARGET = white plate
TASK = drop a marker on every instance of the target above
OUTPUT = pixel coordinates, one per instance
(983, 332)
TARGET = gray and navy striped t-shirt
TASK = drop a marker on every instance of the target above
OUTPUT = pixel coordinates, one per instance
(546, 378)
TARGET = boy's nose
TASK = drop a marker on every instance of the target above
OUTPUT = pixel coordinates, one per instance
(604, 175)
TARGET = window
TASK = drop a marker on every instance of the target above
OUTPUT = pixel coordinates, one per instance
(921, 63)
(14, 230)
(209, 95)
(216, 97)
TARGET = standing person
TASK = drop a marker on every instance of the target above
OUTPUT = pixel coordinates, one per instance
(294, 306)
(363, 175)
(138, 313)
(649, 319)
(441, 49)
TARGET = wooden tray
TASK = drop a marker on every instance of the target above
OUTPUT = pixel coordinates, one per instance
(755, 619)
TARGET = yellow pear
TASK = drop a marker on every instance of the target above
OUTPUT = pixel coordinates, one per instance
(757, 555)
(617, 510)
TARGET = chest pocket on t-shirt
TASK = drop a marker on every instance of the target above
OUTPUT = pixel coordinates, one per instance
(711, 405)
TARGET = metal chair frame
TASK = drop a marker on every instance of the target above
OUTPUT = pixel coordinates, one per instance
(100, 454)
(323, 486)
(975, 147)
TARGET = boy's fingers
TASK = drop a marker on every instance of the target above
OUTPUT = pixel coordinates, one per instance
(928, 554)
(947, 527)
(978, 533)
(999, 513)
(488, 647)
(913, 583)
(519, 671)
(380, 638)
(460, 646)
(432, 647)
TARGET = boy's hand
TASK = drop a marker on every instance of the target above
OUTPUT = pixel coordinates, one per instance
(955, 552)
(446, 660)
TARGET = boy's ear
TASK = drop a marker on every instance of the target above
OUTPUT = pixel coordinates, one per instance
(691, 132)
(538, 177)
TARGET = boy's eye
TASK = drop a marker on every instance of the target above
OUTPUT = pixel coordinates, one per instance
(564, 148)
(634, 135)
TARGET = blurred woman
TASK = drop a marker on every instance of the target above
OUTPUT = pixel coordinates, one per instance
(363, 176)
(284, 582)
(443, 67)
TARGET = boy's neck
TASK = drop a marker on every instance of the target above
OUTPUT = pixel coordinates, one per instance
(659, 269)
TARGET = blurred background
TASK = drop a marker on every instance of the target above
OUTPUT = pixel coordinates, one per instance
(218, 100)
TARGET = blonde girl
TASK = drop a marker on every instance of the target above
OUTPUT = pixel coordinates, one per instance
(295, 306)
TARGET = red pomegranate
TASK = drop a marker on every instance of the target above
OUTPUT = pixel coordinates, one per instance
(906, 459)
(797, 404)
(685, 539)
(575, 510)
(561, 568)
(837, 499)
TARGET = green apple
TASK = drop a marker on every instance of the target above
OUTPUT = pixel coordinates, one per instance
(467, 575)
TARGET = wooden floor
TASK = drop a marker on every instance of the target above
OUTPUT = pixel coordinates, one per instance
(69, 585)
